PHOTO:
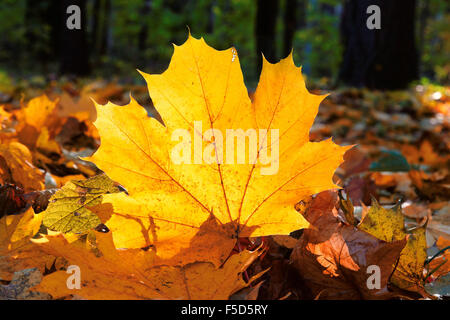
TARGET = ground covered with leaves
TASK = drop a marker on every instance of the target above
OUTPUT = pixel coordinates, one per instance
(90, 183)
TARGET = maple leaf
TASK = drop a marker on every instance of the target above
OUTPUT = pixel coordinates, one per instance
(69, 209)
(108, 273)
(333, 256)
(389, 225)
(170, 200)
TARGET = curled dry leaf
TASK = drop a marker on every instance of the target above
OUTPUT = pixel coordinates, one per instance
(333, 256)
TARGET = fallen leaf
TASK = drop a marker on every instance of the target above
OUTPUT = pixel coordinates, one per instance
(11, 200)
(16, 167)
(171, 199)
(390, 160)
(333, 257)
(108, 273)
(69, 209)
(389, 225)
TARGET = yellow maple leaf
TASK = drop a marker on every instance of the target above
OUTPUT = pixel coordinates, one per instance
(108, 273)
(218, 154)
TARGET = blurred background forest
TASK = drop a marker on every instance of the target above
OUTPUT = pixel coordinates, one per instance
(329, 38)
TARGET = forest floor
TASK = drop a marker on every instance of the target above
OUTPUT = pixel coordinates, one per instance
(401, 156)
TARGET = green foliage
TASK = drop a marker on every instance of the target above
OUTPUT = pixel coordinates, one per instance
(134, 34)
(436, 42)
(12, 27)
(318, 44)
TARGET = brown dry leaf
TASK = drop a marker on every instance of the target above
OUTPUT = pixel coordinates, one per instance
(333, 257)
(416, 210)
(360, 190)
(425, 154)
(12, 200)
(434, 187)
(109, 273)
(285, 241)
(355, 161)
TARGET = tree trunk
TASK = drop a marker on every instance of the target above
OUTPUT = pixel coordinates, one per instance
(266, 17)
(96, 28)
(290, 25)
(302, 6)
(39, 16)
(379, 59)
(143, 32)
(73, 45)
(326, 10)
(423, 18)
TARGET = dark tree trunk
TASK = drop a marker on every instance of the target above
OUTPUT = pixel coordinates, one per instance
(211, 17)
(143, 32)
(37, 17)
(96, 27)
(326, 10)
(379, 59)
(423, 18)
(290, 25)
(74, 51)
(107, 39)
(266, 17)
(301, 13)
(100, 31)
